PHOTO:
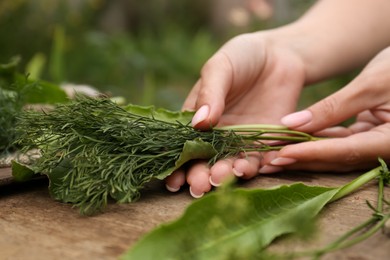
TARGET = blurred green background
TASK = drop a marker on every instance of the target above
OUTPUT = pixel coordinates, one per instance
(149, 52)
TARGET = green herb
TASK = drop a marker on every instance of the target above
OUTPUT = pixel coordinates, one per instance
(93, 149)
(16, 91)
(241, 223)
(10, 107)
(377, 221)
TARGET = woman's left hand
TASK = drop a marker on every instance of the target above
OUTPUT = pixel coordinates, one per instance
(355, 147)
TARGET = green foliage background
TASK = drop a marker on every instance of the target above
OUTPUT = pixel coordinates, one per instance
(154, 58)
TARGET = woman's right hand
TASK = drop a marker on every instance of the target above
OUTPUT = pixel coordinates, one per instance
(257, 78)
(251, 79)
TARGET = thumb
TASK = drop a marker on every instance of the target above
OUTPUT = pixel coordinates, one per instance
(212, 89)
(334, 109)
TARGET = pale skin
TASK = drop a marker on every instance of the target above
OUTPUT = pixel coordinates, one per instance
(258, 77)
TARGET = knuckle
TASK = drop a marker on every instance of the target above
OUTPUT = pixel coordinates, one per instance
(209, 65)
(202, 95)
(240, 40)
(375, 81)
(329, 107)
(353, 157)
(220, 61)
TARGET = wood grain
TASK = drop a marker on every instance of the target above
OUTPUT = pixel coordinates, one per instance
(34, 226)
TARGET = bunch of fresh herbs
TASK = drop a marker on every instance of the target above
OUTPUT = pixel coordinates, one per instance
(93, 149)
(11, 104)
(10, 107)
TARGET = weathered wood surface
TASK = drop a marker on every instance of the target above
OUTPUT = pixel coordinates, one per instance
(34, 226)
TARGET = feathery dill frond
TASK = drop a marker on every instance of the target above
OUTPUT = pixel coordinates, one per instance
(93, 149)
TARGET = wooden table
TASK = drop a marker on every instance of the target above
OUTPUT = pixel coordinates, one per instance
(34, 226)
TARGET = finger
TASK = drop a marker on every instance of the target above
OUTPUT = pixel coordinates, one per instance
(336, 131)
(359, 127)
(367, 116)
(357, 151)
(319, 166)
(198, 178)
(267, 157)
(174, 181)
(340, 131)
(364, 122)
(266, 167)
(247, 167)
(221, 171)
(215, 82)
(190, 102)
(336, 108)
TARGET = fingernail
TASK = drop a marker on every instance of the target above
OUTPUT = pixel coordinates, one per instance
(214, 183)
(238, 173)
(281, 161)
(270, 169)
(297, 119)
(196, 196)
(200, 115)
(172, 189)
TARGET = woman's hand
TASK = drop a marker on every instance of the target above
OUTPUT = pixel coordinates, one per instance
(257, 78)
(251, 79)
(355, 147)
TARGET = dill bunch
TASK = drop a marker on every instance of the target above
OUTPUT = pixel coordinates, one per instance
(11, 103)
(16, 92)
(10, 107)
(93, 149)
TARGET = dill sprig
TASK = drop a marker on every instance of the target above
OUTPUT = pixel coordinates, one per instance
(11, 105)
(93, 149)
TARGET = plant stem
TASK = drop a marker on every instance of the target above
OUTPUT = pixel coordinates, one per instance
(377, 221)
(267, 132)
(357, 183)
(380, 194)
(341, 244)
(252, 127)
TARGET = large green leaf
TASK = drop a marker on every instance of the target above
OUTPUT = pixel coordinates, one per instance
(237, 224)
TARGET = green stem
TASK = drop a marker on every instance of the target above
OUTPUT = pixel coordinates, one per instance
(259, 149)
(367, 234)
(251, 127)
(260, 131)
(378, 219)
(380, 194)
(357, 183)
(254, 138)
(340, 242)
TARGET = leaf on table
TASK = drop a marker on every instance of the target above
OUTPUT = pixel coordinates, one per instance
(235, 224)
(56, 178)
(21, 172)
